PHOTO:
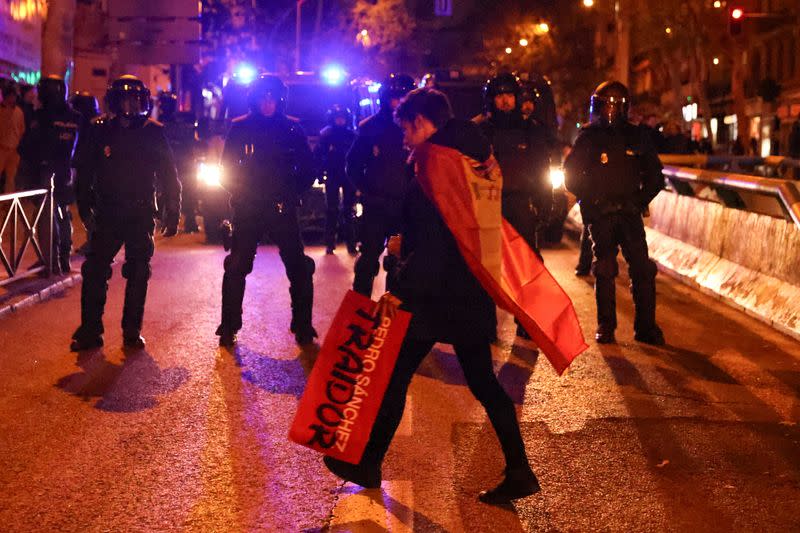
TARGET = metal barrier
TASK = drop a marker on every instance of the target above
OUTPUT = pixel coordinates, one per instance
(27, 222)
(769, 196)
(785, 165)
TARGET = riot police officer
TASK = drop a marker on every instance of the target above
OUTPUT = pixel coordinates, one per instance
(180, 130)
(614, 172)
(376, 165)
(267, 164)
(120, 163)
(522, 148)
(50, 143)
(334, 142)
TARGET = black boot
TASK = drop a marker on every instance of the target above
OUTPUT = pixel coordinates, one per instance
(305, 335)
(605, 336)
(366, 476)
(653, 336)
(518, 483)
(227, 337)
(82, 343)
(133, 341)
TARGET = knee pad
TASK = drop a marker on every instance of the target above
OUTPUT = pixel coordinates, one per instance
(367, 266)
(646, 270)
(605, 268)
(136, 270)
(311, 266)
(390, 263)
(92, 270)
(237, 264)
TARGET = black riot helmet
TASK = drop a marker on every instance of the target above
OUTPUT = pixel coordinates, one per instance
(167, 106)
(539, 91)
(52, 92)
(339, 111)
(128, 97)
(267, 86)
(610, 104)
(395, 86)
(505, 83)
(85, 104)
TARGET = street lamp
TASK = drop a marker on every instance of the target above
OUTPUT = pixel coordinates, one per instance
(508, 50)
(523, 42)
(717, 4)
(544, 27)
(588, 3)
(716, 61)
(668, 30)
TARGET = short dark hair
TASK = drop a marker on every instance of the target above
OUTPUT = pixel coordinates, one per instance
(429, 103)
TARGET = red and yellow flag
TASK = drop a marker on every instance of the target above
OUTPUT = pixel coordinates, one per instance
(468, 195)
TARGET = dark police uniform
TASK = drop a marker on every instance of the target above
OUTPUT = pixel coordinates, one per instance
(267, 165)
(522, 148)
(376, 165)
(334, 143)
(119, 170)
(180, 131)
(615, 173)
(51, 141)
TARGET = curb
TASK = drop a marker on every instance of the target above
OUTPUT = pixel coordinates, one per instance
(43, 295)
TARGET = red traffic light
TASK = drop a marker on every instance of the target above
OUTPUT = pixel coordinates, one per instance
(737, 13)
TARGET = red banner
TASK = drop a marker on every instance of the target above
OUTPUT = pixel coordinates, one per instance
(346, 386)
(467, 194)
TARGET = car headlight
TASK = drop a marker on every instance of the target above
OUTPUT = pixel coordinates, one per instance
(557, 177)
(209, 175)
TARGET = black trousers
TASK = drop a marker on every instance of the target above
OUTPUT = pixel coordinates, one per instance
(336, 219)
(135, 233)
(585, 257)
(518, 210)
(62, 236)
(188, 197)
(283, 230)
(624, 231)
(476, 362)
(381, 221)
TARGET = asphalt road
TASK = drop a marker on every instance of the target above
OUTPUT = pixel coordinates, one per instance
(701, 435)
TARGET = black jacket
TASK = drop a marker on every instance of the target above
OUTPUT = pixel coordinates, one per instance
(266, 161)
(523, 149)
(48, 145)
(613, 169)
(120, 170)
(331, 152)
(436, 285)
(376, 163)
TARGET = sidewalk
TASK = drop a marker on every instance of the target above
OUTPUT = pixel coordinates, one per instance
(35, 288)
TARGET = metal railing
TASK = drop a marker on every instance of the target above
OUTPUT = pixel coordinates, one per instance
(788, 168)
(27, 223)
(769, 196)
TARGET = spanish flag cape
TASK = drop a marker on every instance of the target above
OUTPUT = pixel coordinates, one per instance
(467, 194)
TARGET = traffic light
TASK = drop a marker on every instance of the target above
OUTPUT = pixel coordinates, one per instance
(735, 21)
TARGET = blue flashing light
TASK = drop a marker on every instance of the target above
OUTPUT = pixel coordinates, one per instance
(374, 88)
(333, 74)
(365, 102)
(245, 73)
